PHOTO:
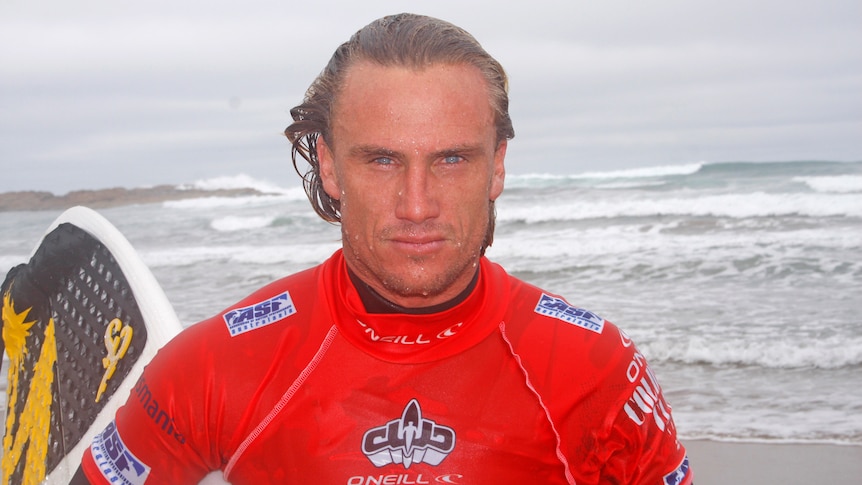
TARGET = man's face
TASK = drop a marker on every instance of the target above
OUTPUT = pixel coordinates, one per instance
(413, 159)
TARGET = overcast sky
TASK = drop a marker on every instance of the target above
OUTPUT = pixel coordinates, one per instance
(103, 93)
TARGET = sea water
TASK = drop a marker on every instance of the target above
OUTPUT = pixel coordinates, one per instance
(740, 282)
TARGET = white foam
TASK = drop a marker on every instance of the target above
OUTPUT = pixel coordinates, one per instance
(631, 185)
(547, 179)
(236, 223)
(223, 202)
(756, 204)
(300, 254)
(185, 256)
(253, 254)
(774, 353)
(240, 181)
(614, 251)
(768, 424)
(646, 172)
(842, 184)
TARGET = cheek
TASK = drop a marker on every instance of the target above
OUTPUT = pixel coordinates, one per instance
(357, 213)
(473, 212)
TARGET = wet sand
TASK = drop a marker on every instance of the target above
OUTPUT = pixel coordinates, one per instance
(731, 463)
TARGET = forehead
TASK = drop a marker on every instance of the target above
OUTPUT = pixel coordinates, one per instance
(370, 88)
(419, 111)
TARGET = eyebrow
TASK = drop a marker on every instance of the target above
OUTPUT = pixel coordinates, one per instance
(374, 150)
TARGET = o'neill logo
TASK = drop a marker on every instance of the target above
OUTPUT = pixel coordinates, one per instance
(408, 440)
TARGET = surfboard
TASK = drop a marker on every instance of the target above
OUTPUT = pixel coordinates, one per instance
(80, 321)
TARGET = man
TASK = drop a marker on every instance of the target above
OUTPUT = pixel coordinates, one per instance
(407, 357)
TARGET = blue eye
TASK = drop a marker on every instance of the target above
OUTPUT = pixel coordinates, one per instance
(452, 159)
(384, 161)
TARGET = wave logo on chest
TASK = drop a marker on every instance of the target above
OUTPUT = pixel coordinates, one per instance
(408, 440)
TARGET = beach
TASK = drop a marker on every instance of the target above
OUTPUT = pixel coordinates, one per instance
(737, 463)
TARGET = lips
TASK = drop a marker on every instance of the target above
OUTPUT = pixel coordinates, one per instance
(419, 244)
(418, 239)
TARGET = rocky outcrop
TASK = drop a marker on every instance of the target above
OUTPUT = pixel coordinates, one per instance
(97, 199)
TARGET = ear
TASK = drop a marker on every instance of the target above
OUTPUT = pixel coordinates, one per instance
(498, 178)
(327, 169)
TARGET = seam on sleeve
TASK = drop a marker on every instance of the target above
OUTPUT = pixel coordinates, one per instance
(309, 368)
(569, 477)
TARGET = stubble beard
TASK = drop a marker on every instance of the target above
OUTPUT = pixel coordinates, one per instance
(416, 281)
(429, 286)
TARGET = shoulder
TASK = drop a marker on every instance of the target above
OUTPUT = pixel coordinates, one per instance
(269, 305)
(216, 369)
(563, 347)
(250, 330)
(540, 317)
(596, 387)
(545, 326)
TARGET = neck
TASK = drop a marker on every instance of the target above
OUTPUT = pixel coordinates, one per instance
(376, 303)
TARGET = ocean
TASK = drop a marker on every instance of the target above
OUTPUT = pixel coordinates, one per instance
(740, 282)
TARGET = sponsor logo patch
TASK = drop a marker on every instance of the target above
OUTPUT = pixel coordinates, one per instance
(252, 317)
(404, 479)
(559, 309)
(117, 464)
(420, 339)
(408, 440)
(158, 414)
(677, 476)
(647, 399)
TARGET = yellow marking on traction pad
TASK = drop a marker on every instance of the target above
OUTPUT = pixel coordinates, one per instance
(35, 420)
(117, 346)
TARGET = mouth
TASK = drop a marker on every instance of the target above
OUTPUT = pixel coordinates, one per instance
(418, 245)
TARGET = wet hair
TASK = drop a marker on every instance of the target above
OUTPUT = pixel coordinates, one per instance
(403, 40)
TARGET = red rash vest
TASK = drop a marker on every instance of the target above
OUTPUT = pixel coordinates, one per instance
(298, 384)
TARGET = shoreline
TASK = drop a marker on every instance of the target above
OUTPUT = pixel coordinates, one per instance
(742, 463)
(113, 197)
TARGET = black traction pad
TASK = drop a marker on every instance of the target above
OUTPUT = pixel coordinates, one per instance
(74, 281)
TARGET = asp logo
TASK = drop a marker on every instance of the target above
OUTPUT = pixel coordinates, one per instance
(408, 440)
(241, 320)
(677, 476)
(559, 309)
(115, 461)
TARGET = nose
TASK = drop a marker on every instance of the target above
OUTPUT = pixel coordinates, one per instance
(417, 197)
